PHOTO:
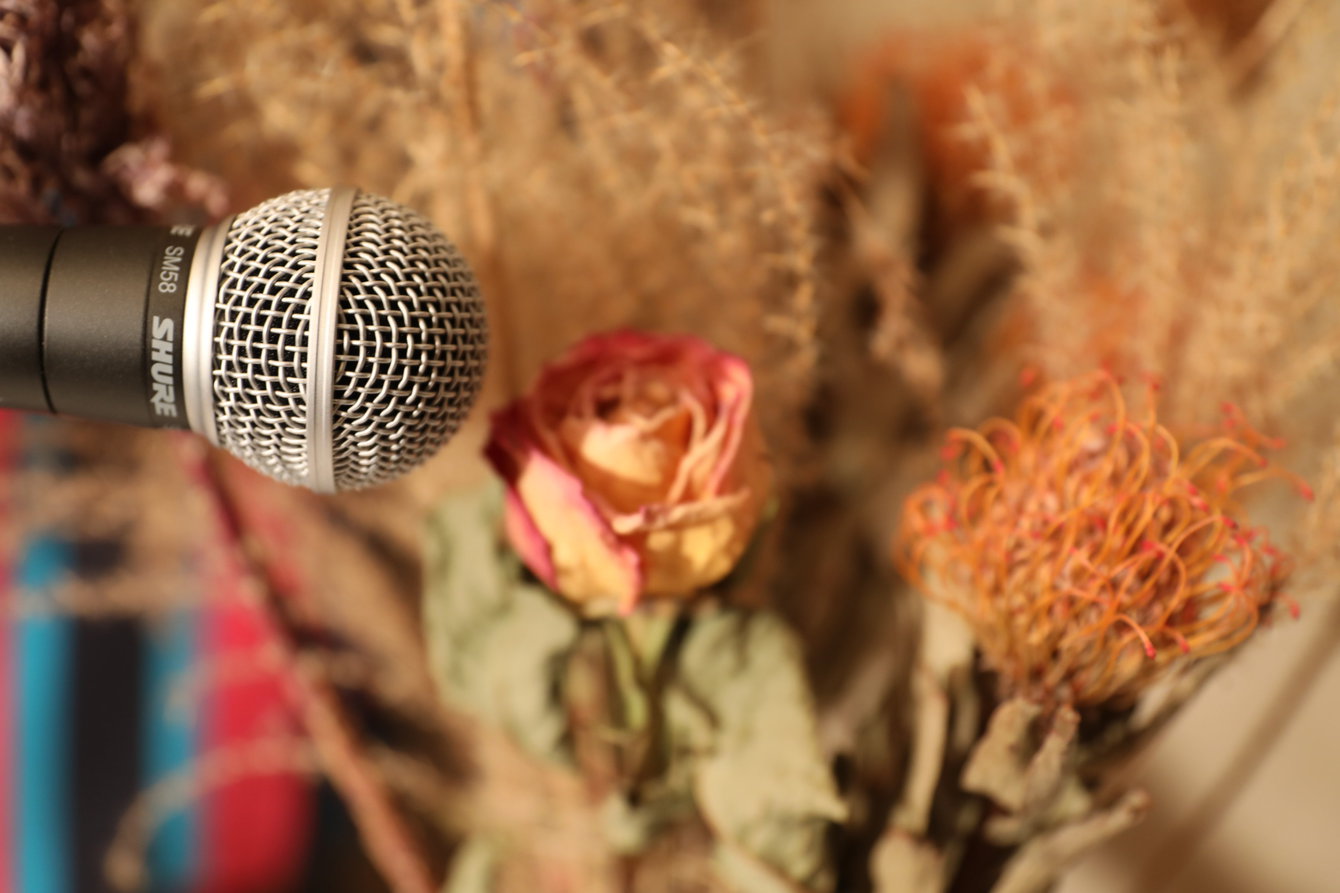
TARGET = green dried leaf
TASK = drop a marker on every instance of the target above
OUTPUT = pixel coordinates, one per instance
(741, 711)
(496, 643)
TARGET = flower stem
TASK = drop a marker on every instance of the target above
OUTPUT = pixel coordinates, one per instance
(642, 651)
(629, 683)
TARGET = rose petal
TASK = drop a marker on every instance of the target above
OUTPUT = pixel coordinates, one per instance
(688, 514)
(552, 524)
(505, 451)
(682, 560)
(527, 540)
(590, 563)
(735, 388)
(633, 461)
(685, 549)
(705, 469)
(622, 464)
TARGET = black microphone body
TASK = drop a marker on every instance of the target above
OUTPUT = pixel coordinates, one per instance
(329, 338)
(91, 321)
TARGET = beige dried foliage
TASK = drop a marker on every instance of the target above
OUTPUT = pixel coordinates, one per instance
(608, 163)
(604, 164)
(1208, 217)
(1191, 237)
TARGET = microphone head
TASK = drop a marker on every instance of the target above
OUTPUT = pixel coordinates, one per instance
(344, 337)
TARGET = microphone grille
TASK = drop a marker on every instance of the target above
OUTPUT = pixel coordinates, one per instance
(411, 343)
(410, 339)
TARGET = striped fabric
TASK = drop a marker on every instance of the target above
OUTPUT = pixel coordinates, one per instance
(95, 712)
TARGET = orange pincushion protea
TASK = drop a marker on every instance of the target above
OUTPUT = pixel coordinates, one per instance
(1088, 554)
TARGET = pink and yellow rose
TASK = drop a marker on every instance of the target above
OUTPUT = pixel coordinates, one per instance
(634, 468)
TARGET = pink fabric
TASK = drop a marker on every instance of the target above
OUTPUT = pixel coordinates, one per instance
(256, 830)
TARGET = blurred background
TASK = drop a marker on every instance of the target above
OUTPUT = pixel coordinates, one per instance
(894, 213)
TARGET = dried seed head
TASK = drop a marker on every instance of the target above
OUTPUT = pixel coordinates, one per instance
(1088, 553)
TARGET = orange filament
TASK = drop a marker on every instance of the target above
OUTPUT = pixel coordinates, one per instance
(1089, 552)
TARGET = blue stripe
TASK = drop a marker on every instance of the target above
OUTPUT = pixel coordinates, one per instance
(45, 664)
(171, 730)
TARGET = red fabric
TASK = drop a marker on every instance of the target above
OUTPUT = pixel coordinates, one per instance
(256, 830)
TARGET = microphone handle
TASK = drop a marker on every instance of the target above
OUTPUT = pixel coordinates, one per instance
(91, 321)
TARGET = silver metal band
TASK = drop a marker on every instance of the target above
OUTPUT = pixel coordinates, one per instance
(323, 316)
(202, 288)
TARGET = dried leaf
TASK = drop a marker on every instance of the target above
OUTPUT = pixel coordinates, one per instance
(474, 867)
(902, 863)
(741, 710)
(1052, 791)
(630, 829)
(942, 690)
(913, 810)
(1035, 783)
(1051, 765)
(496, 643)
(1040, 862)
(998, 764)
(747, 874)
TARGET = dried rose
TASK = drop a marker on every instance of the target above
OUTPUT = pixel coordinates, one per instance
(634, 468)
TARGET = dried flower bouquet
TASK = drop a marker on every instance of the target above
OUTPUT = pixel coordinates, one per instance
(877, 456)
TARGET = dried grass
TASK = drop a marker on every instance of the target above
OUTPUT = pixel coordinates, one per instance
(1191, 239)
(623, 163)
(632, 175)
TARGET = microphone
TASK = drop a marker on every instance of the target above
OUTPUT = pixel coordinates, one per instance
(328, 338)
